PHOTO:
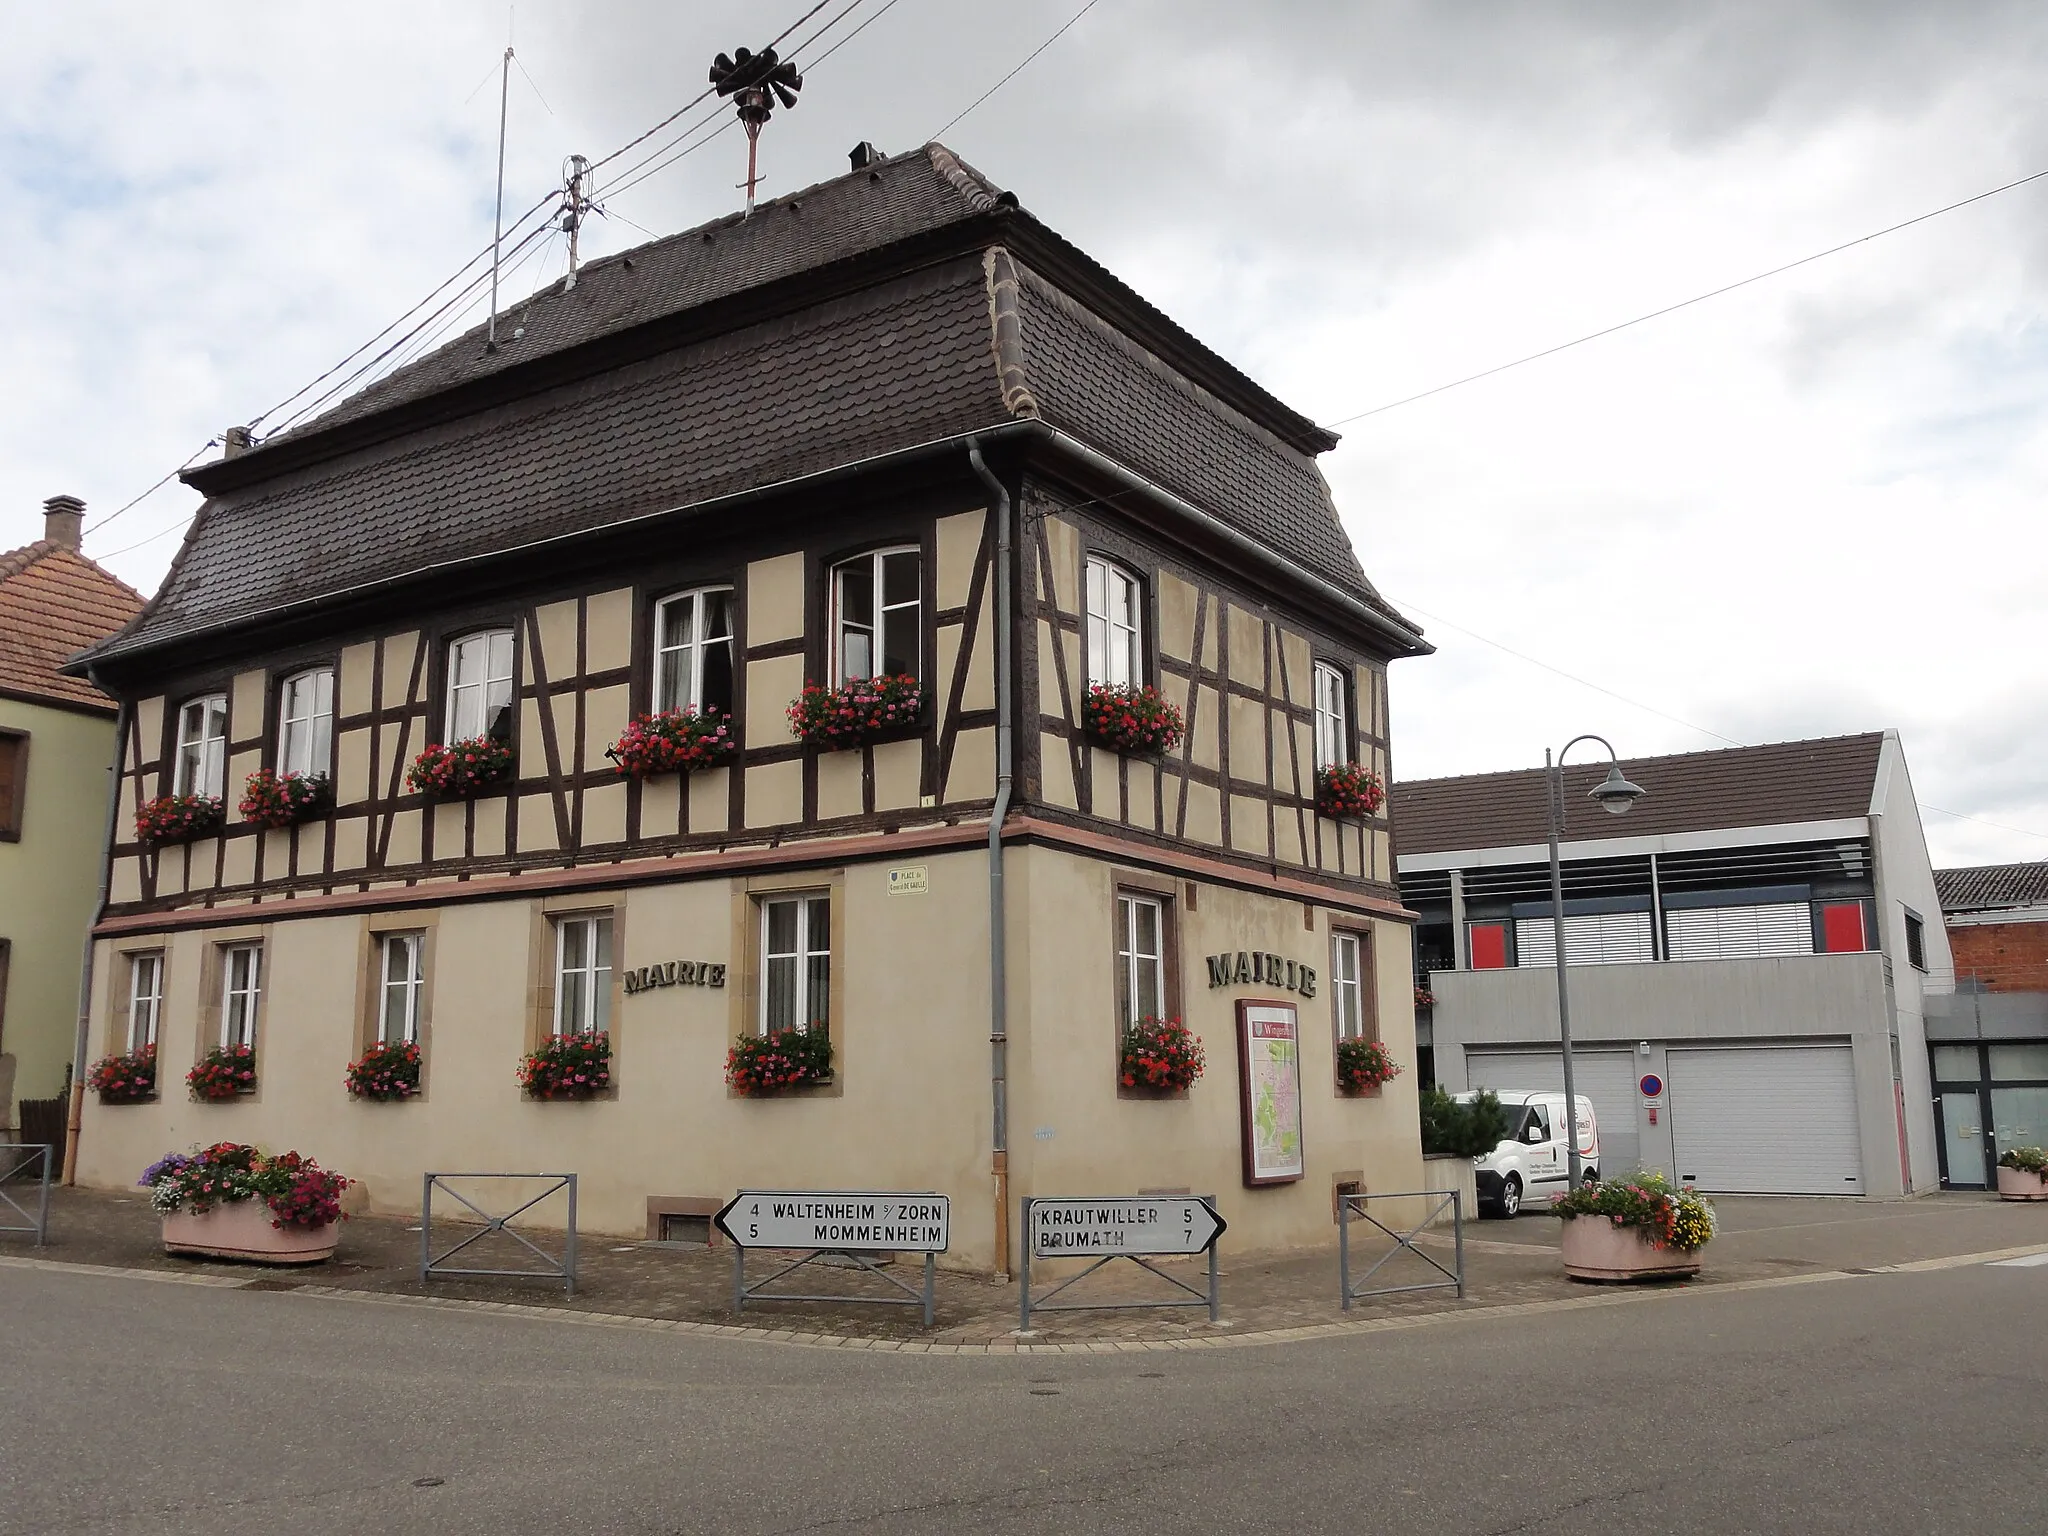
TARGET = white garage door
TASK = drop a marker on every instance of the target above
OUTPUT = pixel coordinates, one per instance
(1767, 1120)
(1608, 1078)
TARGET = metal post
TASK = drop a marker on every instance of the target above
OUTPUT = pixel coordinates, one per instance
(739, 1278)
(426, 1225)
(1458, 1232)
(569, 1258)
(931, 1265)
(1344, 1249)
(1555, 769)
(498, 228)
(1215, 1302)
(1024, 1289)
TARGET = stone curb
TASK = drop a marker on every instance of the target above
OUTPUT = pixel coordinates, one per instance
(1347, 1327)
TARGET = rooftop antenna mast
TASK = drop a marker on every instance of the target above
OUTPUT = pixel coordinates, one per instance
(498, 228)
(578, 189)
(754, 81)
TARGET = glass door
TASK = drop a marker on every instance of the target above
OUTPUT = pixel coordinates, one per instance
(1962, 1139)
(2019, 1117)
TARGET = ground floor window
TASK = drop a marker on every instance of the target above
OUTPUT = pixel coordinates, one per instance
(796, 961)
(402, 980)
(145, 998)
(583, 975)
(1351, 989)
(241, 992)
(1140, 958)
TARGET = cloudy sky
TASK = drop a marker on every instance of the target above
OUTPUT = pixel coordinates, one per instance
(1805, 508)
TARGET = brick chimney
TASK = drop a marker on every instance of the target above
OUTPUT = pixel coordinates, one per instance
(64, 521)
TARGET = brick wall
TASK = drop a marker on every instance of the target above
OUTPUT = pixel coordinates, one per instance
(2006, 957)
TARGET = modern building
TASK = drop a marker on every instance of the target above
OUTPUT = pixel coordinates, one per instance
(891, 424)
(56, 749)
(1751, 948)
(1988, 1040)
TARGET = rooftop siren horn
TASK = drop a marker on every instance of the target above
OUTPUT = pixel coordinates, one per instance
(755, 81)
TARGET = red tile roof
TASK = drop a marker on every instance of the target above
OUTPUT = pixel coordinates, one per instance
(53, 604)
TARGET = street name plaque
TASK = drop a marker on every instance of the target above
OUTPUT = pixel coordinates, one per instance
(1123, 1225)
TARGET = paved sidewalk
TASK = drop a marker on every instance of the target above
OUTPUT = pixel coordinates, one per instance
(1507, 1264)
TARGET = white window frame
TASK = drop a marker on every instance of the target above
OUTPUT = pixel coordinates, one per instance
(1348, 951)
(409, 988)
(241, 995)
(813, 942)
(498, 657)
(1114, 600)
(200, 766)
(595, 973)
(145, 997)
(305, 718)
(1130, 955)
(693, 648)
(873, 561)
(1333, 717)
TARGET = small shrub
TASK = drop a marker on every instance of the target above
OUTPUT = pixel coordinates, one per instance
(1470, 1129)
(1662, 1214)
(298, 1191)
(779, 1060)
(1160, 1053)
(461, 769)
(1348, 791)
(125, 1079)
(1128, 718)
(1363, 1065)
(284, 799)
(222, 1073)
(568, 1067)
(855, 712)
(178, 819)
(386, 1071)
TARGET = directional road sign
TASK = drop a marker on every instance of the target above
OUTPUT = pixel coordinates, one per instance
(1123, 1224)
(872, 1222)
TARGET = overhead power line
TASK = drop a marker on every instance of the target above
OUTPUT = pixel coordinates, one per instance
(1672, 309)
(1013, 74)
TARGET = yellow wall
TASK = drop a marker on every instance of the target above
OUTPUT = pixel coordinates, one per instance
(49, 883)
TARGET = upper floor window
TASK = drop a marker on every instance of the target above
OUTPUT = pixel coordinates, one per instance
(480, 686)
(1116, 631)
(1333, 716)
(693, 651)
(145, 997)
(401, 980)
(583, 975)
(1140, 958)
(796, 962)
(305, 723)
(13, 782)
(877, 615)
(241, 991)
(1916, 942)
(1351, 985)
(201, 762)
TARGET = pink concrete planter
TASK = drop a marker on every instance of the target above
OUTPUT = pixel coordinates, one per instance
(1596, 1249)
(241, 1229)
(2019, 1184)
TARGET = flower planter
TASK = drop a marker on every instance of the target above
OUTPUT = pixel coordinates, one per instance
(1132, 720)
(674, 741)
(857, 713)
(461, 770)
(280, 800)
(1596, 1249)
(241, 1229)
(2019, 1184)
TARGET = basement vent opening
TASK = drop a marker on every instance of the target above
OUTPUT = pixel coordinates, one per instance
(694, 1231)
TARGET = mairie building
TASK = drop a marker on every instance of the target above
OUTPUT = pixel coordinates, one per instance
(889, 427)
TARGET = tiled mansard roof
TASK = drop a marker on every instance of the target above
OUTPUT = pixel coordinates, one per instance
(55, 602)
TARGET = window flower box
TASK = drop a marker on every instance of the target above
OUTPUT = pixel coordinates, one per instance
(460, 770)
(1364, 1066)
(275, 800)
(2023, 1174)
(674, 741)
(1348, 792)
(1132, 719)
(126, 1079)
(178, 819)
(387, 1071)
(1159, 1056)
(568, 1067)
(1642, 1228)
(783, 1059)
(222, 1074)
(855, 713)
(230, 1201)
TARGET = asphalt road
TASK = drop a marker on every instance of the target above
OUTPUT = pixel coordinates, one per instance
(1903, 1402)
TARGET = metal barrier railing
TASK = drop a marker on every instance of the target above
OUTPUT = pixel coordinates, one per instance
(1159, 1217)
(560, 1267)
(16, 1158)
(1355, 1207)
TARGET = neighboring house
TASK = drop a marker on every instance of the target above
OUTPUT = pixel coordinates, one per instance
(891, 424)
(1755, 939)
(1989, 1040)
(56, 748)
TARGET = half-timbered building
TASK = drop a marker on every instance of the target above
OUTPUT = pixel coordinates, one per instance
(891, 425)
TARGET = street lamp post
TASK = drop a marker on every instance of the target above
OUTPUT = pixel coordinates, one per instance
(1616, 794)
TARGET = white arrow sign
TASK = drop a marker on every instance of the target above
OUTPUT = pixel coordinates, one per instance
(1140, 1224)
(837, 1219)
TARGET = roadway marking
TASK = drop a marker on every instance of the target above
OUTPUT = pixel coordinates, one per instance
(2031, 1261)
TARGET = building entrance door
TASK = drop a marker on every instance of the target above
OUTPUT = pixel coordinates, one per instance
(2019, 1118)
(1962, 1139)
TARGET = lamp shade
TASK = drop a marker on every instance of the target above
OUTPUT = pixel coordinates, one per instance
(1616, 793)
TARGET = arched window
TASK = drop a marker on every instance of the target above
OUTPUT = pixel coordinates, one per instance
(480, 686)
(202, 746)
(1116, 624)
(305, 723)
(693, 651)
(877, 615)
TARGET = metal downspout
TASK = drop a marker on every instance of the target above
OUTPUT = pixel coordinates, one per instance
(75, 1119)
(998, 969)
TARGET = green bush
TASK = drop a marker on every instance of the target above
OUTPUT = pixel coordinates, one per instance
(1470, 1129)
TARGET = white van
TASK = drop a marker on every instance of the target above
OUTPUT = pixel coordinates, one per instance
(1533, 1159)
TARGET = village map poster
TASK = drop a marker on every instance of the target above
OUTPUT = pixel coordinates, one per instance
(1269, 1080)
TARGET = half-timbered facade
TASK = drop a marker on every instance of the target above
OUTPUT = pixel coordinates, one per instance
(891, 425)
